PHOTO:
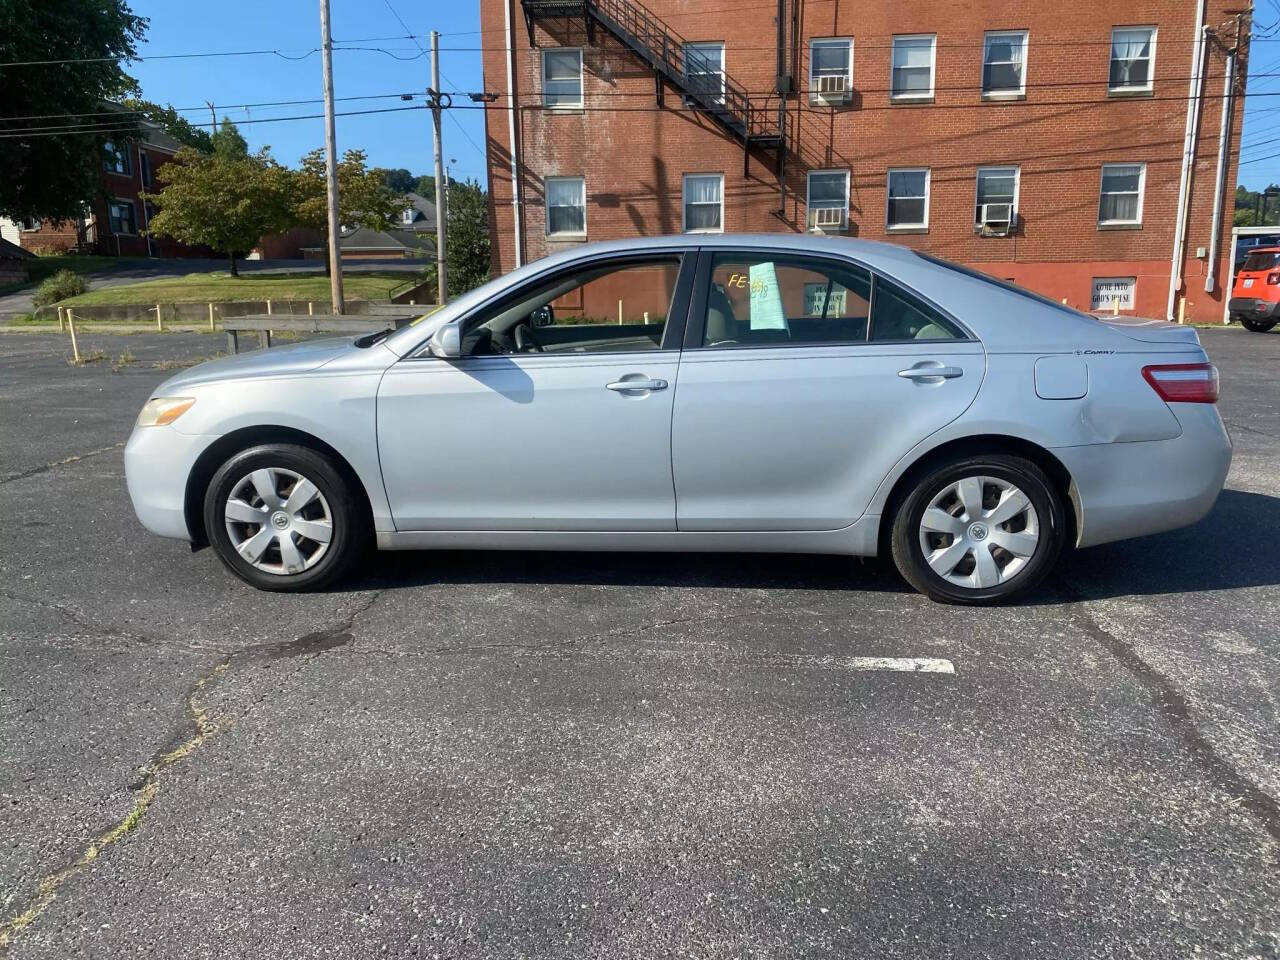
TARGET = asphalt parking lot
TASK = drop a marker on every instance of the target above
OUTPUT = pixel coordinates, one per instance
(538, 755)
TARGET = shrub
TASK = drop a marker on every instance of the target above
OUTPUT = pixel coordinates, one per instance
(59, 287)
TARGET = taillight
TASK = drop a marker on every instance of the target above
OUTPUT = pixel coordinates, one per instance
(1183, 382)
(1273, 279)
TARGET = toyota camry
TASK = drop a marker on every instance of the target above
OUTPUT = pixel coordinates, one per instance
(698, 393)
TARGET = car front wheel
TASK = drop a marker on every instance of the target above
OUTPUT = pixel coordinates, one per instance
(979, 530)
(281, 517)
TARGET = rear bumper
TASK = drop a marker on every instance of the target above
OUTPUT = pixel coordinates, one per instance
(1127, 490)
(157, 463)
(1253, 307)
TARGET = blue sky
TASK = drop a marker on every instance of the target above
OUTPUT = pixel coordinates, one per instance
(293, 28)
(403, 139)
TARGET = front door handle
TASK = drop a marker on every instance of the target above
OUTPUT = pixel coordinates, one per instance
(933, 371)
(638, 384)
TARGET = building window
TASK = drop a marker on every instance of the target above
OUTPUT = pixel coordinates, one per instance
(1004, 69)
(704, 70)
(830, 69)
(144, 168)
(29, 225)
(704, 203)
(908, 206)
(1120, 203)
(566, 206)
(828, 199)
(997, 197)
(123, 219)
(912, 67)
(116, 159)
(406, 216)
(1133, 59)
(562, 78)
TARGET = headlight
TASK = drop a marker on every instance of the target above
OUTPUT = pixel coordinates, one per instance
(162, 410)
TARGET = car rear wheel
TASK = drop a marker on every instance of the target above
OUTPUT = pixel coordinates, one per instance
(1257, 325)
(281, 517)
(979, 530)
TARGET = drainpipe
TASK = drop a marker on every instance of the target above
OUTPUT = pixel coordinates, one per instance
(1199, 40)
(1219, 183)
(511, 132)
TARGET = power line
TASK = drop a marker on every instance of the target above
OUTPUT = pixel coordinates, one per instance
(73, 131)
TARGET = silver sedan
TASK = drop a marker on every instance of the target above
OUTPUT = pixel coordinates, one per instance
(729, 393)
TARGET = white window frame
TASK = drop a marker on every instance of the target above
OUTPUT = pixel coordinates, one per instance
(928, 180)
(684, 203)
(581, 80)
(933, 66)
(1142, 193)
(1149, 86)
(987, 37)
(566, 234)
(113, 201)
(810, 220)
(723, 65)
(813, 76)
(407, 216)
(123, 154)
(1017, 187)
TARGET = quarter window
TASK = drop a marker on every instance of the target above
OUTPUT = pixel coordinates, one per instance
(898, 315)
(566, 206)
(908, 205)
(912, 67)
(830, 69)
(1121, 194)
(1004, 72)
(123, 219)
(1133, 59)
(562, 78)
(704, 70)
(116, 158)
(997, 195)
(772, 300)
(704, 203)
(828, 199)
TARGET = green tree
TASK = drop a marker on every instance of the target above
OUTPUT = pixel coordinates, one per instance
(221, 200)
(1249, 205)
(53, 173)
(228, 141)
(467, 246)
(425, 187)
(399, 180)
(363, 199)
(171, 122)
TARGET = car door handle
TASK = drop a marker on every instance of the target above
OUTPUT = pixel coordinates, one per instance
(936, 372)
(623, 385)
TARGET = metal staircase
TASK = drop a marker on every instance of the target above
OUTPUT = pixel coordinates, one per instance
(756, 121)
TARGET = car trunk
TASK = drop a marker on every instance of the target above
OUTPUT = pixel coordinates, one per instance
(1152, 331)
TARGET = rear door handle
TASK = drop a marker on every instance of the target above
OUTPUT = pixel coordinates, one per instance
(937, 372)
(624, 385)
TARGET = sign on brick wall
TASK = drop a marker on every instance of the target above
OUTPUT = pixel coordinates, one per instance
(1106, 290)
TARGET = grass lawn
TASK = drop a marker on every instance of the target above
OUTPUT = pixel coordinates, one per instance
(44, 267)
(219, 287)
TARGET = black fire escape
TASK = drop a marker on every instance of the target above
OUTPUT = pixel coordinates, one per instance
(756, 121)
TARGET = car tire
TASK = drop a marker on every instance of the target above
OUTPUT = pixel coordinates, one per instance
(988, 559)
(1257, 325)
(299, 497)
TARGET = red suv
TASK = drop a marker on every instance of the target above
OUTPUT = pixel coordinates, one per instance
(1255, 298)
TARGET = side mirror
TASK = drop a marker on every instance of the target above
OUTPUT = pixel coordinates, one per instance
(544, 316)
(446, 342)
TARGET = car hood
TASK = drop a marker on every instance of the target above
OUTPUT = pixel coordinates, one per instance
(278, 361)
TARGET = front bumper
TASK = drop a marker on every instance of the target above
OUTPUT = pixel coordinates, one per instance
(157, 463)
(1127, 490)
(1253, 307)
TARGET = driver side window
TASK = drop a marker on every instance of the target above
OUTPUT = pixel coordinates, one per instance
(620, 306)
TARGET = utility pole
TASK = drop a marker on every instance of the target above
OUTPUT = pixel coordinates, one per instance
(331, 159)
(441, 217)
(213, 115)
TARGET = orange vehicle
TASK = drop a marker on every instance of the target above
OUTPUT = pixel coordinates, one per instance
(1255, 297)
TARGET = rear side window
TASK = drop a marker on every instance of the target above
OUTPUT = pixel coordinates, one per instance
(1260, 261)
(897, 315)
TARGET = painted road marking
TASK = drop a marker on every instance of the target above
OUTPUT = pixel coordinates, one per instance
(899, 664)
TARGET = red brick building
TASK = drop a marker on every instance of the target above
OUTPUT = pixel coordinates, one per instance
(1049, 144)
(115, 221)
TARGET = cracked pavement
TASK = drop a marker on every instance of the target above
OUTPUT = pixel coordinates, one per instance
(542, 755)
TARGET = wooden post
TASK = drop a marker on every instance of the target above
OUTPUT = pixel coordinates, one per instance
(75, 350)
(211, 318)
(159, 320)
(1182, 309)
(268, 308)
(59, 319)
(311, 309)
(619, 313)
(1115, 306)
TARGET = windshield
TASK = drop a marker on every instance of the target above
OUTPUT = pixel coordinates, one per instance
(1261, 261)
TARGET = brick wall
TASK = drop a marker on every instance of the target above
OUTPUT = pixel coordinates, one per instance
(634, 156)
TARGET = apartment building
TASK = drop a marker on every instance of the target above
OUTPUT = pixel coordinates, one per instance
(1055, 145)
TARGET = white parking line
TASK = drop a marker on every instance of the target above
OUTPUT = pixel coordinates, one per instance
(900, 664)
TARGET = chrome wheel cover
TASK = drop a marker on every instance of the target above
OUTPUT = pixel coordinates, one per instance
(979, 532)
(278, 521)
